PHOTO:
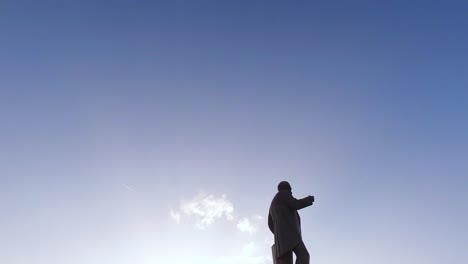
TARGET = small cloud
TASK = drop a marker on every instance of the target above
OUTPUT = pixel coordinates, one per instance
(249, 249)
(206, 209)
(127, 187)
(258, 218)
(175, 216)
(269, 240)
(244, 225)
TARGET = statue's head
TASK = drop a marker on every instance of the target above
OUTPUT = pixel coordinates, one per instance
(284, 186)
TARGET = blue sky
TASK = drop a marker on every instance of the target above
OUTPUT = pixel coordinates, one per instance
(128, 127)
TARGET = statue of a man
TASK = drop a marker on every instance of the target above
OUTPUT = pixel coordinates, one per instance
(285, 224)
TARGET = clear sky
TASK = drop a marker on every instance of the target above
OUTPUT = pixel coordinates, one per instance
(144, 132)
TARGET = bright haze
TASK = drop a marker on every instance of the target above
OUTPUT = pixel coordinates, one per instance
(148, 132)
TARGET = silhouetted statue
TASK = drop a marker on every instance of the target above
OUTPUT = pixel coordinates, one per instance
(285, 224)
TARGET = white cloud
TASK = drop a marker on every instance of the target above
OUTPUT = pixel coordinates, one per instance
(127, 187)
(244, 225)
(249, 249)
(249, 225)
(205, 209)
(258, 218)
(175, 216)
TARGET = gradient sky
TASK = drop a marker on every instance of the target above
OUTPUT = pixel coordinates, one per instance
(144, 132)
